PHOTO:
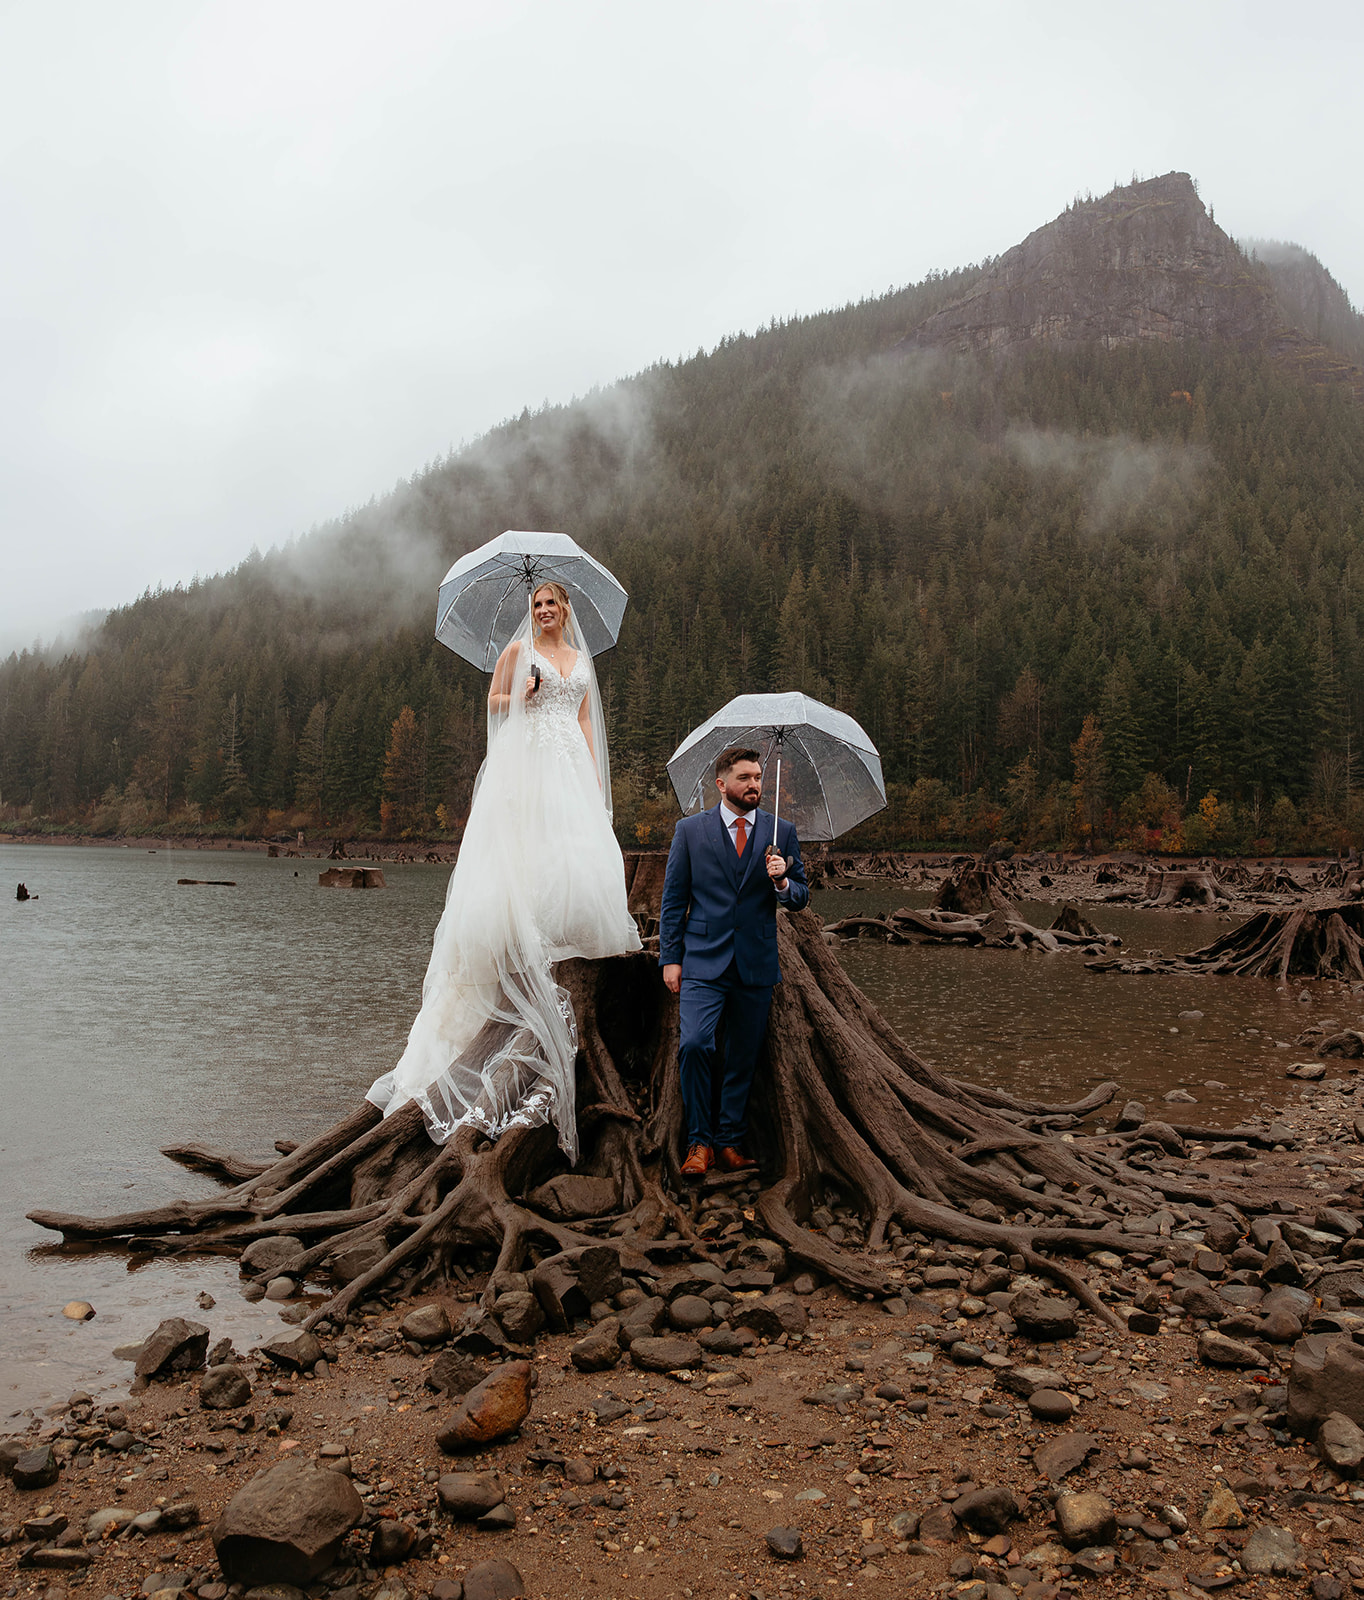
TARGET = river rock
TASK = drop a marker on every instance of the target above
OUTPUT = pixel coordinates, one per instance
(10, 1451)
(520, 1315)
(784, 1543)
(355, 1260)
(938, 1526)
(600, 1350)
(35, 1469)
(1060, 1456)
(575, 1194)
(1026, 1380)
(481, 1334)
(453, 1374)
(428, 1324)
(1051, 1405)
(688, 1312)
(1340, 1443)
(277, 1254)
(116, 1517)
(665, 1355)
(771, 1316)
(501, 1519)
(224, 1388)
(988, 1511)
(1222, 1510)
(78, 1310)
(761, 1255)
(567, 1285)
(1327, 1375)
(391, 1543)
(469, 1495)
(491, 1410)
(1219, 1351)
(642, 1320)
(175, 1346)
(1271, 1553)
(1043, 1317)
(286, 1525)
(1280, 1265)
(295, 1352)
(1131, 1117)
(1085, 1519)
(281, 1289)
(493, 1580)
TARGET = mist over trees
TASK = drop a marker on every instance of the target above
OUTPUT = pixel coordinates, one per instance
(1079, 595)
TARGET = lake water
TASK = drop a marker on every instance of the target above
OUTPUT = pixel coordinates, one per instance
(135, 1013)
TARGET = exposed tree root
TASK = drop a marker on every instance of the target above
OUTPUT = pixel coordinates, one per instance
(1306, 942)
(844, 1112)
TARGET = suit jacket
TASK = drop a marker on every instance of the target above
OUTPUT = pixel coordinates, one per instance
(719, 908)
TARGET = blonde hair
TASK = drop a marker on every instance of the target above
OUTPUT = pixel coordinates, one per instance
(560, 594)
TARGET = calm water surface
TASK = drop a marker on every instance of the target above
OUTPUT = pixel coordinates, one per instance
(135, 1013)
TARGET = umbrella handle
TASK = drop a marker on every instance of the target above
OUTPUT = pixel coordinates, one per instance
(776, 803)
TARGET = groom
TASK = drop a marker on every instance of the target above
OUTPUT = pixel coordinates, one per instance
(717, 945)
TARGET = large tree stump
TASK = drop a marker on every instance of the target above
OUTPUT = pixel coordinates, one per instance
(1184, 888)
(975, 887)
(844, 1113)
(1309, 942)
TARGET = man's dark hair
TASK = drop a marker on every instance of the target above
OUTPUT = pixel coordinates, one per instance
(733, 756)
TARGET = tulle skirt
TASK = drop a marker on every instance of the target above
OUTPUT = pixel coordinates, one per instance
(539, 879)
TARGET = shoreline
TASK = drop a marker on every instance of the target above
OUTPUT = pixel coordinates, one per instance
(860, 1431)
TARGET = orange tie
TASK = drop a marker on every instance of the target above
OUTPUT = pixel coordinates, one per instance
(740, 834)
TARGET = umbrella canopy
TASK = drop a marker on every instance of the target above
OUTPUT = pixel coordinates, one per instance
(484, 595)
(830, 770)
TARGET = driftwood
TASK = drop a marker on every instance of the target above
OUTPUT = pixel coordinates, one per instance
(995, 931)
(844, 1112)
(1308, 942)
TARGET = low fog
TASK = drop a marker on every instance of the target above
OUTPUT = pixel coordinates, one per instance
(263, 262)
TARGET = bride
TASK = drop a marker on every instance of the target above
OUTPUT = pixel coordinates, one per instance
(539, 879)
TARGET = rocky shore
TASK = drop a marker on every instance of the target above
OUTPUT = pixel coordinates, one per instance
(752, 1432)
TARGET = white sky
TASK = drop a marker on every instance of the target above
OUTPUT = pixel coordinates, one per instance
(258, 260)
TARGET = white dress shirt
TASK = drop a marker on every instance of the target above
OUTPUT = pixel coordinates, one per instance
(749, 817)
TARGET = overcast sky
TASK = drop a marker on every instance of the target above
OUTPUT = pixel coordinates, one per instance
(258, 260)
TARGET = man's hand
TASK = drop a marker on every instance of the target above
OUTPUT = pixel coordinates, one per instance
(776, 868)
(672, 977)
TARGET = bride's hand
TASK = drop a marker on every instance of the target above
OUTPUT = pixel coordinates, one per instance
(530, 688)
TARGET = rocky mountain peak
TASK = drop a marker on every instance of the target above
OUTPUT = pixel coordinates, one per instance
(1145, 261)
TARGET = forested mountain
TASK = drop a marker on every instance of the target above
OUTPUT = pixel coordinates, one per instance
(1075, 534)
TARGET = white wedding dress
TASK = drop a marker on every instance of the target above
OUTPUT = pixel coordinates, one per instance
(539, 879)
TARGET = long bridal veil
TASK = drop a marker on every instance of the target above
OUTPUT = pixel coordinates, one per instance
(495, 1042)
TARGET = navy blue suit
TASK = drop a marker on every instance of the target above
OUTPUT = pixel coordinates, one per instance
(719, 923)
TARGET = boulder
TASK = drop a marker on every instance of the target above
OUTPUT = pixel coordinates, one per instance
(1026, 1380)
(642, 1320)
(600, 1350)
(1340, 1444)
(295, 1352)
(666, 1354)
(1327, 1375)
(1271, 1553)
(10, 1451)
(771, 1316)
(1043, 1317)
(1051, 1405)
(391, 1542)
(520, 1315)
(224, 1388)
(687, 1312)
(428, 1324)
(279, 1253)
(481, 1334)
(493, 1580)
(575, 1194)
(469, 1495)
(988, 1511)
(35, 1469)
(1223, 1510)
(286, 1525)
(1085, 1519)
(176, 1346)
(567, 1285)
(1220, 1351)
(761, 1255)
(491, 1410)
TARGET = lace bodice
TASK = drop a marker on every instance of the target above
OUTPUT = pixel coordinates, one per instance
(553, 708)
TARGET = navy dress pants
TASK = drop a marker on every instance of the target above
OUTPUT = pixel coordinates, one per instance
(702, 1002)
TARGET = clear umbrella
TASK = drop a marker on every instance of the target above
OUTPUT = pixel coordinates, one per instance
(832, 777)
(484, 596)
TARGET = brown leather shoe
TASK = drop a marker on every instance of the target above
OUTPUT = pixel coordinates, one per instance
(731, 1160)
(700, 1159)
